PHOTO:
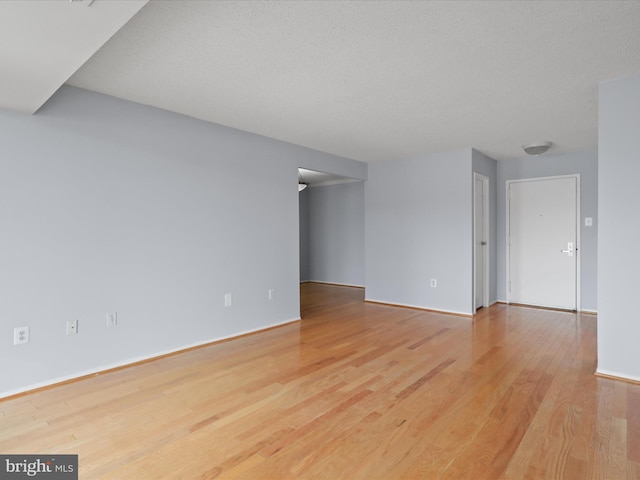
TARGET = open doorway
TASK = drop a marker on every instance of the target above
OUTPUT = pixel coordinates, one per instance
(331, 230)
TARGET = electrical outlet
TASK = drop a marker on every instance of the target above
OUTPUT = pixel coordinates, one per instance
(434, 283)
(20, 335)
(72, 327)
(112, 319)
(272, 294)
(227, 299)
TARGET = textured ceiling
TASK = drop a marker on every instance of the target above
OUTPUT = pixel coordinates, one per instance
(377, 80)
(42, 43)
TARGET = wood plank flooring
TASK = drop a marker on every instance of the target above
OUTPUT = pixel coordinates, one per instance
(354, 391)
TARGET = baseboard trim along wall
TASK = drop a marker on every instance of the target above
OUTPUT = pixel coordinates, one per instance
(334, 283)
(491, 304)
(584, 310)
(617, 376)
(415, 307)
(134, 361)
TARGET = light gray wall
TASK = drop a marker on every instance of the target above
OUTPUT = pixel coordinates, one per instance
(336, 233)
(418, 226)
(583, 163)
(303, 197)
(110, 206)
(489, 167)
(618, 257)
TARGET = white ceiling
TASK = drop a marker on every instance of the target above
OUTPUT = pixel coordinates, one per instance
(372, 80)
(43, 42)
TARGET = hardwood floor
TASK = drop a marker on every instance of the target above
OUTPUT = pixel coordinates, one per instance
(354, 391)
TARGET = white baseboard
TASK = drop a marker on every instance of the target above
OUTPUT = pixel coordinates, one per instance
(406, 305)
(334, 283)
(617, 375)
(132, 361)
(583, 310)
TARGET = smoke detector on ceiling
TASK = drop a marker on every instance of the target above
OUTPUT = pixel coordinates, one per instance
(537, 148)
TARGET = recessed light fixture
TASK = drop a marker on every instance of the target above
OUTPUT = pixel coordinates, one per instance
(537, 148)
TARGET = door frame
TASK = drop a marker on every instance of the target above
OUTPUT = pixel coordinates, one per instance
(578, 251)
(485, 220)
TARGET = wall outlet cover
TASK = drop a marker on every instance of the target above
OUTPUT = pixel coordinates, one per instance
(20, 335)
(72, 327)
(112, 319)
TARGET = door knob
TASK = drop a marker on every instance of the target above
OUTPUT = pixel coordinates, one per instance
(569, 250)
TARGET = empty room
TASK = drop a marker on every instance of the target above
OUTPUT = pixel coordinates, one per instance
(319, 239)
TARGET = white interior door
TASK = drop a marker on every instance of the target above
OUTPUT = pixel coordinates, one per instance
(543, 242)
(480, 229)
